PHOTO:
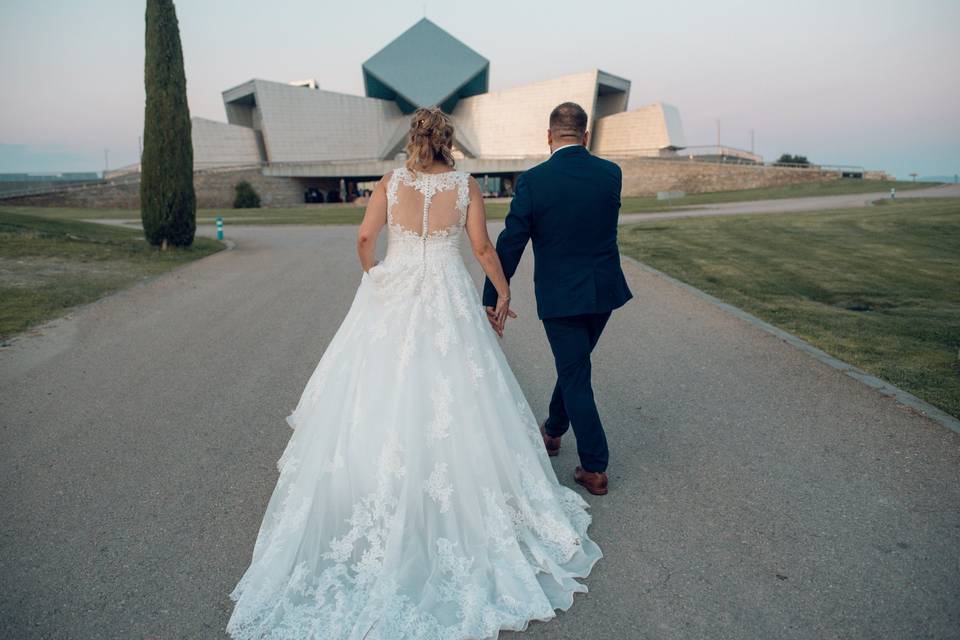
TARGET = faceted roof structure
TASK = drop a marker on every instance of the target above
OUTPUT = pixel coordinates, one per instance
(423, 67)
(300, 130)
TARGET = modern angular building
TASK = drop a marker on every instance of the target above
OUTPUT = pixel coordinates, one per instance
(319, 137)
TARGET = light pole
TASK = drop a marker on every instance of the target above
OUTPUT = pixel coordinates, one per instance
(719, 148)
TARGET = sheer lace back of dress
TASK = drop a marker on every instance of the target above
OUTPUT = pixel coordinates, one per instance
(427, 204)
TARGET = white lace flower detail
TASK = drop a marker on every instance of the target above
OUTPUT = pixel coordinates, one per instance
(391, 459)
(496, 368)
(442, 397)
(450, 561)
(475, 370)
(500, 530)
(438, 486)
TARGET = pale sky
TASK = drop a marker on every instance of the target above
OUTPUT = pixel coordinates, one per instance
(869, 83)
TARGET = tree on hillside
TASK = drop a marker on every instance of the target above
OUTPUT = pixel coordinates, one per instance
(168, 202)
(786, 158)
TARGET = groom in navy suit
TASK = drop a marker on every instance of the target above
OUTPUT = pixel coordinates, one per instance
(568, 207)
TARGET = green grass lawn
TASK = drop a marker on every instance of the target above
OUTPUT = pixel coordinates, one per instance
(875, 286)
(306, 214)
(49, 265)
(352, 214)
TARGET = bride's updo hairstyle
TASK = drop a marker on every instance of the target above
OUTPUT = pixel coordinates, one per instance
(430, 139)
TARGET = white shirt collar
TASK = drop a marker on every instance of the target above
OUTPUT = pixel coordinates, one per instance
(565, 146)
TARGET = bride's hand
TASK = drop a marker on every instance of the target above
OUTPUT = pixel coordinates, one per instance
(503, 311)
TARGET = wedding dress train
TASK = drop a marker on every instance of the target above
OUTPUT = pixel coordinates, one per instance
(415, 498)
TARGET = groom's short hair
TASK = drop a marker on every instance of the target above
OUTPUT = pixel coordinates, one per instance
(568, 119)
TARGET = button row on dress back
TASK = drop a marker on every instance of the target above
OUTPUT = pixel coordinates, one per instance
(428, 186)
(426, 208)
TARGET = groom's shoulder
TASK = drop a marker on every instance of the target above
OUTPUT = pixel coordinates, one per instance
(547, 169)
(535, 171)
(607, 166)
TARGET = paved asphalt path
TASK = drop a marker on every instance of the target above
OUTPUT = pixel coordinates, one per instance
(755, 492)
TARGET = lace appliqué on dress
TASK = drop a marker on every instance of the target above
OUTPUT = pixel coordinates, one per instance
(415, 499)
(438, 486)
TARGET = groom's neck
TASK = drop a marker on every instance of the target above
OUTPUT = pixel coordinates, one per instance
(564, 143)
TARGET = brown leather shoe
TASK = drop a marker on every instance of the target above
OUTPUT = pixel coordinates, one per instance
(550, 442)
(594, 481)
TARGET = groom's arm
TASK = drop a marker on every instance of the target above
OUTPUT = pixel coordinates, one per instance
(513, 239)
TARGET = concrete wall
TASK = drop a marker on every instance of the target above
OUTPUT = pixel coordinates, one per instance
(643, 130)
(300, 124)
(647, 176)
(221, 144)
(513, 122)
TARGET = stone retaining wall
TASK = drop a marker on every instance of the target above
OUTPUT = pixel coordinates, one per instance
(641, 176)
(645, 176)
(214, 189)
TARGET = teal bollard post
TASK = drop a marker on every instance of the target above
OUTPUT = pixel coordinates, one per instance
(219, 228)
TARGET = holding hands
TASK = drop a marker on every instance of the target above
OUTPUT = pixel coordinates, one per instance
(497, 316)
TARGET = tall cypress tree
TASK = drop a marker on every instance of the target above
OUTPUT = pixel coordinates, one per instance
(168, 202)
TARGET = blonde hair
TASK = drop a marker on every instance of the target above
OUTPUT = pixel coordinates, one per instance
(430, 139)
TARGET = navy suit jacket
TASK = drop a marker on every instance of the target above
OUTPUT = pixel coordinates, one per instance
(568, 207)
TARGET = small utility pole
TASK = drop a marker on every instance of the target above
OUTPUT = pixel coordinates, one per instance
(751, 140)
(106, 163)
(719, 148)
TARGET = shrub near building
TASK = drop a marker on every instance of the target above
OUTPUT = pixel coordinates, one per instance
(246, 197)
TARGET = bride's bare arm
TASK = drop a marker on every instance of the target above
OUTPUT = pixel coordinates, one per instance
(486, 253)
(374, 218)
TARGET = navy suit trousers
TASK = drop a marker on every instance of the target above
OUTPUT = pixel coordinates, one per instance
(572, 339)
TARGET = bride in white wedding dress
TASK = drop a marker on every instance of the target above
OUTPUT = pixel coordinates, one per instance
(415, 498)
